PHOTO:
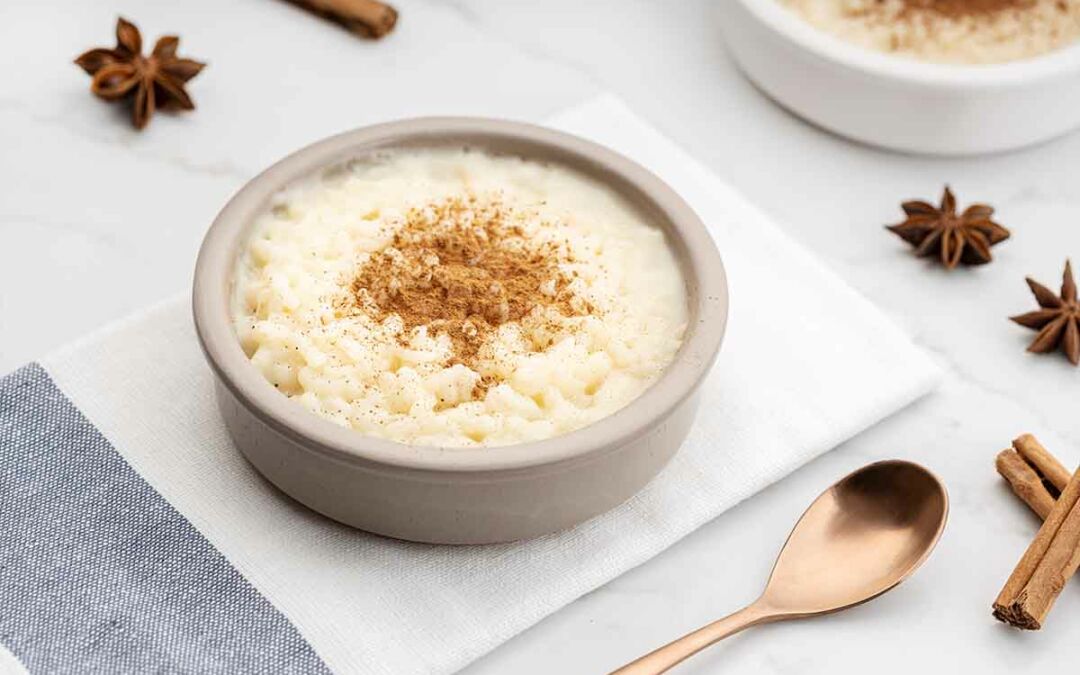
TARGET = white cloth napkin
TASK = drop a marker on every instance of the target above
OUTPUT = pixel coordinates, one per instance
(807, 363)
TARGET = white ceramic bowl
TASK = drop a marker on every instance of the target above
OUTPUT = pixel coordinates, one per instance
(900, 103)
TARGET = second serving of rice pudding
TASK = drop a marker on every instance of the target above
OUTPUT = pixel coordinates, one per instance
(949, 31)
(454, 298)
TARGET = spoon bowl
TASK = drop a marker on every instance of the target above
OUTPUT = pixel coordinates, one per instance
(860, 538)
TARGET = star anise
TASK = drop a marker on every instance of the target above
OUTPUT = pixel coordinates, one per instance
(1058, 322)
(154, 81)
(964, 238)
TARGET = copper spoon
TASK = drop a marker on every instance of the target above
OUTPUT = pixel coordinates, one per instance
(859, 539)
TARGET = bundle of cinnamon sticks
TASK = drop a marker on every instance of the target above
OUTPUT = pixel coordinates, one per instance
(1045, 485)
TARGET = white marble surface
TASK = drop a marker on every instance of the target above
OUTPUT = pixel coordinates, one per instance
(97, 221)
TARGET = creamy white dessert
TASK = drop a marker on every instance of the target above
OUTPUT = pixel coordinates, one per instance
(948, 31)
(454, 298)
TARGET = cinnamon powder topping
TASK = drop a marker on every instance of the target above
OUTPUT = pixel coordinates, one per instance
(957, 8)
(465, 266)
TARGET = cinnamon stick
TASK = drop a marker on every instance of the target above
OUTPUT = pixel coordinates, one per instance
(1039, 457)
(1025, 482)
(369, 18)
(1046, 566)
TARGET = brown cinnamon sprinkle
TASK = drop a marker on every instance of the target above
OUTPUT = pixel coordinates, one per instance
(464, 266)
(958, 8)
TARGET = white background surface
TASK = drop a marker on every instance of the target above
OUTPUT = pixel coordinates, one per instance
(97, 221)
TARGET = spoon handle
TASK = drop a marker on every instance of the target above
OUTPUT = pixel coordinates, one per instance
(676, 652)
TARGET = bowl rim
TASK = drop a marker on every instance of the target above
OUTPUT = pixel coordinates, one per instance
(699, 260)
(960, 77)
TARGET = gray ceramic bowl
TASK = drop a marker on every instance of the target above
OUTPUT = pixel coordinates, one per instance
(455, 495)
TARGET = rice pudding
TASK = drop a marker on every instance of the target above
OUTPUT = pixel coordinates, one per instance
(449, 297)
(948, 31)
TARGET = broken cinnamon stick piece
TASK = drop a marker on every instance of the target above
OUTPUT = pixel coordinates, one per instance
(1027, 484)
(369, 18)
(1045, 463)
(1046, 566)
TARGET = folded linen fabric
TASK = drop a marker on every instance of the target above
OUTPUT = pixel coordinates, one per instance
(135, 538)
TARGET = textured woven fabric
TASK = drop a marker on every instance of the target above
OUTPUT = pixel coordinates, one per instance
(788, 386)
(99, 574)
